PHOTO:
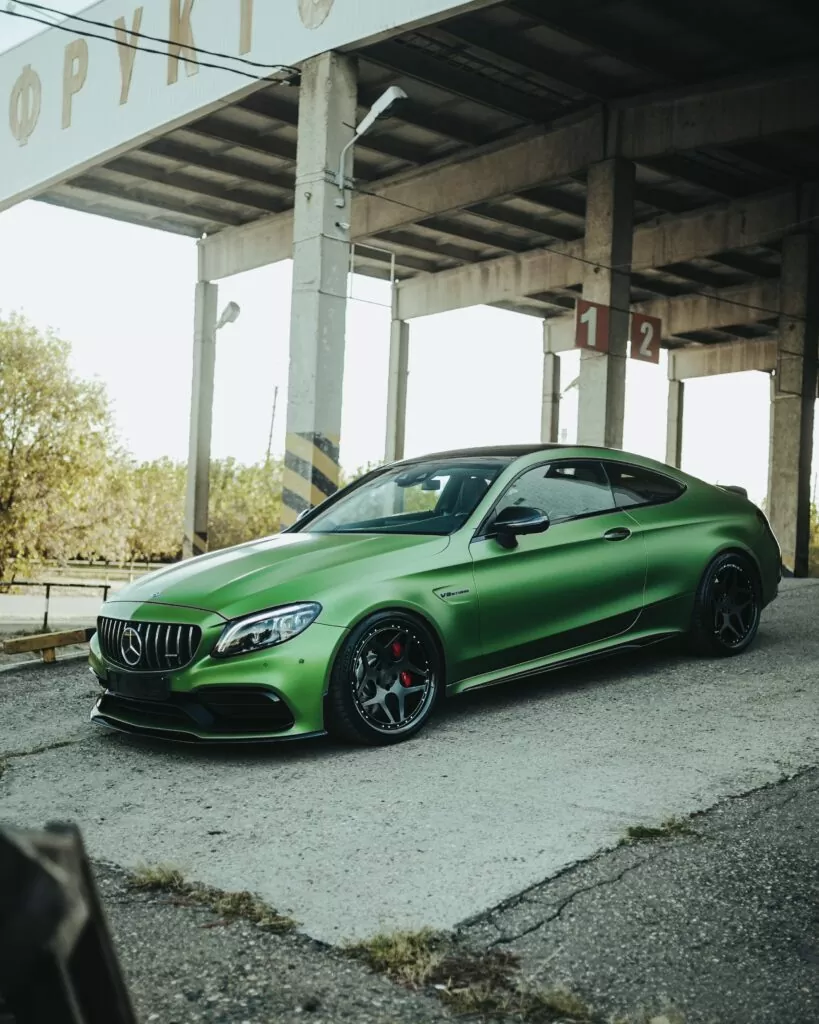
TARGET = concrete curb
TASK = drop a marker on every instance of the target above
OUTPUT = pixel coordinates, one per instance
(17, 666)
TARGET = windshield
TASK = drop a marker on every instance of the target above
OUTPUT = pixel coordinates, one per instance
(435, 497)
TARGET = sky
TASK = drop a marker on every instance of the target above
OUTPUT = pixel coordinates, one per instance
(123, 297)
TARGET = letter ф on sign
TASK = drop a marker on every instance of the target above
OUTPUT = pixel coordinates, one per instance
(181, 40)
(126, 47)
(24, 105)
(646, 332)
(592, 326)
(75, 71)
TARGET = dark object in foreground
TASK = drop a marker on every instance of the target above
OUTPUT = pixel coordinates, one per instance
(57, 961)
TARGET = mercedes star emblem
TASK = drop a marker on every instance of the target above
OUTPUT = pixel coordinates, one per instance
(130, 647)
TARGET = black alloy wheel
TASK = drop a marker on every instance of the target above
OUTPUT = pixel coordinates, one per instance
(385, 681)
(727, 608)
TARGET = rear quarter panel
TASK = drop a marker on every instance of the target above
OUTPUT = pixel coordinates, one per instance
(683, 536)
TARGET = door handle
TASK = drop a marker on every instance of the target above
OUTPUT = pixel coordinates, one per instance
(618, 533)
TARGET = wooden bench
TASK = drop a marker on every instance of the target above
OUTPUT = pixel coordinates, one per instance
(47, 643)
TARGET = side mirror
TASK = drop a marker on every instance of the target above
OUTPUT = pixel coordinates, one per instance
(516, 520)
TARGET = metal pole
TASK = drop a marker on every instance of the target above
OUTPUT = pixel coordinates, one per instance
(48, 598)
(272, 422)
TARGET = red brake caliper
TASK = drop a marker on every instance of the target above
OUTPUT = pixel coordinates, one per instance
(398, 650)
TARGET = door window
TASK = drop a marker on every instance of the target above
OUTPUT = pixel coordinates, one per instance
(634, 486)
(563, 490)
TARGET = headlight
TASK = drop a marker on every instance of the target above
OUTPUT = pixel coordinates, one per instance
(267, 629)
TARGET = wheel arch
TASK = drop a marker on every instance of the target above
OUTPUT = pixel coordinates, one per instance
(391, 609)
(736, 549)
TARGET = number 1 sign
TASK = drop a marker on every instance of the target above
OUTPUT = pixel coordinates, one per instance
(646, 332)
(592, 326)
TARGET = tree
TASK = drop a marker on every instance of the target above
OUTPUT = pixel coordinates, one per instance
(158, 509)
(56, 446)
(245, 502)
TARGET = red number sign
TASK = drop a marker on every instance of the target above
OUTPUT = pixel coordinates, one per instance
(592, 326)
(646, 332)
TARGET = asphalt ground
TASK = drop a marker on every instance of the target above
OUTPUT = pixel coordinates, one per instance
(719, 924)
(505, 788)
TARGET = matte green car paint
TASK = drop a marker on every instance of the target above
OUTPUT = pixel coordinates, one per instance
(557, 596)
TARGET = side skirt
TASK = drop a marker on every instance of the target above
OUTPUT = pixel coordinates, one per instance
(540, 668)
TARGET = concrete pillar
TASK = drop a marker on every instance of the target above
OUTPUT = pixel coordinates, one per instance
(321, 253)
(550, 403)
(674, 429)
(397, 391)
(609, 227)
(195, 541)
(793, 396)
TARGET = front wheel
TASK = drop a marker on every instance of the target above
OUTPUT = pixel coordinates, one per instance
(385, 680)
(727, 608)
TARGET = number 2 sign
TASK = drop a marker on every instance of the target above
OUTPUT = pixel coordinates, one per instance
(646, 332)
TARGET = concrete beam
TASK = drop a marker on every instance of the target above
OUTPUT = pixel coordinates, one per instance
(641, 129)
(490, 172)
(731, 357)
(672, 239)
(728, 307)
(716, 311)
(500, 280)
(718, 115)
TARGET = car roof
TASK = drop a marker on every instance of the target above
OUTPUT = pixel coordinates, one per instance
(515, 451)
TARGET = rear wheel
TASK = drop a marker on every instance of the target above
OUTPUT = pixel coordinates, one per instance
(727, 607)
(385, 680)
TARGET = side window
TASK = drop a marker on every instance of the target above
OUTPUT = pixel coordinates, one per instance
(634, 486)
(564, 490)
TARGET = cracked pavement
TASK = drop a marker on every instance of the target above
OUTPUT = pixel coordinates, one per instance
(722, 925)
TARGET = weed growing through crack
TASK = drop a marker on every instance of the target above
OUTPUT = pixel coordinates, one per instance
(228, 905)
(469, 983)
(157, 877)
(669, 828)
(406, 957)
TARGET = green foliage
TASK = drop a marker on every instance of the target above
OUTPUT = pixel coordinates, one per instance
(156, 499)
(245, 502)
(56, 448)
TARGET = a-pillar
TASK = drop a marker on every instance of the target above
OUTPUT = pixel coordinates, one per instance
(793, 395)
(550, 402)
(674, 429)
(195, 540)
(609, 226)
(321, 256)
(397, 391)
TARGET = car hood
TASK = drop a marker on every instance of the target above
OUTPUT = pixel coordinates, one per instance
(276, 570)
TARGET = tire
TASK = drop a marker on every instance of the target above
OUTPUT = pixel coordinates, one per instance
(385, 681)
(727, 608)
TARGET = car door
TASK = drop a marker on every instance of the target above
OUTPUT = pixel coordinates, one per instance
(580, 582)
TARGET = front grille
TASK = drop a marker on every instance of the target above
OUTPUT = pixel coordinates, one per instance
(147, 646)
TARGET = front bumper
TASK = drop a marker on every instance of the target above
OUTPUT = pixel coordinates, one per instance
(277, 694)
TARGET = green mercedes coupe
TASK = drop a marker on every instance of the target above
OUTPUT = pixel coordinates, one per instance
(431, 577)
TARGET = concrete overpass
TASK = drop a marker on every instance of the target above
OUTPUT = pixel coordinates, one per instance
(653, 157)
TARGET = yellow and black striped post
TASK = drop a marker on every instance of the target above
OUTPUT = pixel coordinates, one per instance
(311, 473)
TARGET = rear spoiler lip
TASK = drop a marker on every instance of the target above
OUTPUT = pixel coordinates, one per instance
(733, 489)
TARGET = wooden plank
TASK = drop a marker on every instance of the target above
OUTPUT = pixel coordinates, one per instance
(47, 641)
